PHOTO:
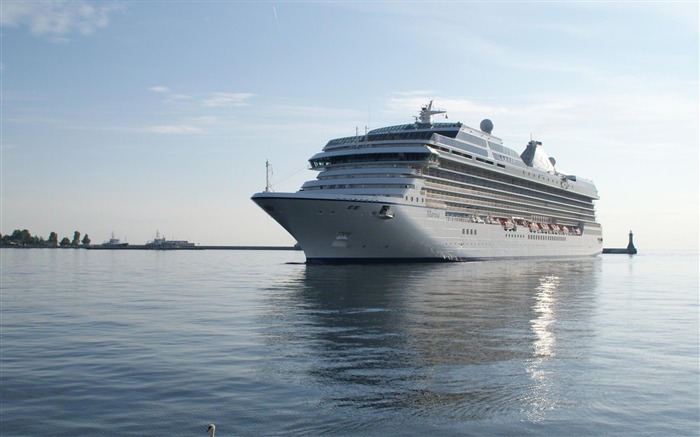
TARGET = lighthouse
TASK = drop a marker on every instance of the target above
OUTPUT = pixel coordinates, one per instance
(630, 246)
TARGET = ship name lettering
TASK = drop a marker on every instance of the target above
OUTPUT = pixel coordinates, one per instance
(432, 214)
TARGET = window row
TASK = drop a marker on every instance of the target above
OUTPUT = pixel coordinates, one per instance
(369, 157)
(471, 193)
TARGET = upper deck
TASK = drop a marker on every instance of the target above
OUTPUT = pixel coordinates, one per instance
(452, 141)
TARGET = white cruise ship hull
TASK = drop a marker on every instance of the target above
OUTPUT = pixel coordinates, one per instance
(338, 229)
(429, 191)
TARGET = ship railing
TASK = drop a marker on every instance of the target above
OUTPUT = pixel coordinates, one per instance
(513, 198)
(531, 203)
(512, 223)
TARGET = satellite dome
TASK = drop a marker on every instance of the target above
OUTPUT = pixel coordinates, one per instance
(486, 125)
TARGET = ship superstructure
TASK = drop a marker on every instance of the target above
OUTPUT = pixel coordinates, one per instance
(436, 191)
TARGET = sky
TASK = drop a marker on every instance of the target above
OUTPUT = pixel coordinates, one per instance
(137, 117)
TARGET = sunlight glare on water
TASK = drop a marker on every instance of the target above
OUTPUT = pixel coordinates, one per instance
(148, 342)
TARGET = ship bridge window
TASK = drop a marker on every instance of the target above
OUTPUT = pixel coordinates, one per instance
(449, 129)
(368, 157)
(341, 141)
(392, 133)
(397, 136)
(360, 186)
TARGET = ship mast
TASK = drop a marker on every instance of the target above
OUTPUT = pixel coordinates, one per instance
(427, 112)
(268, 176)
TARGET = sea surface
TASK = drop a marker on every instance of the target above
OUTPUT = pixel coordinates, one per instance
(140, 343)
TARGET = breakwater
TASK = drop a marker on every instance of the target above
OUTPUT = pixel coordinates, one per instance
(629, 250)
(147, 247)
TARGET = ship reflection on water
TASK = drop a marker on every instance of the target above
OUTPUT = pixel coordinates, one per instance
(470, 340)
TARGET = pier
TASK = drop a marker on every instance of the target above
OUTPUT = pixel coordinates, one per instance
(147, 247)
(629, 250)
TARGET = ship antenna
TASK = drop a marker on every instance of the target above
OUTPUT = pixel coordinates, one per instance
(268, 176)
(427, 112)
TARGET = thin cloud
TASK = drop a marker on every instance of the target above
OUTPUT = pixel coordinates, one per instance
(4, 146)
(227, 99)
(277, 21)
(213, 99)
(57, 19)
(172, 129)
(169, 96)
(159, 89)
(410, 102)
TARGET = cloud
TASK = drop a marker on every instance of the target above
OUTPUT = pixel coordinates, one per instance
(410, 102)
(214, 99)
(180, 129)
(4, 146)
(227, 99)
(169, 96)
(159, 89)
(57, 19)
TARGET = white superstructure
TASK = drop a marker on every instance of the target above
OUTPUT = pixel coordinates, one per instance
(430, 191)
(162, 243)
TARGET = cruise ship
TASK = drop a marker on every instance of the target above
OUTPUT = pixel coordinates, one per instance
(428, 191)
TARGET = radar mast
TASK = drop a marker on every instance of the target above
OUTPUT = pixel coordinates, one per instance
(427, 112)
(268, 176)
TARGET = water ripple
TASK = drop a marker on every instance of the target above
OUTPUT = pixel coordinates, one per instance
(134, 343)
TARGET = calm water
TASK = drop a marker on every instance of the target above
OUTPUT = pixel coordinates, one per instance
(136, 343)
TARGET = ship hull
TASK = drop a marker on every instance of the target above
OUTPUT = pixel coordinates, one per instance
(339, 229)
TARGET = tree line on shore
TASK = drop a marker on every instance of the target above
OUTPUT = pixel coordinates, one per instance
(23, 238)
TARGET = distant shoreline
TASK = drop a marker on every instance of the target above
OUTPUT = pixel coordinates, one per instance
(144, 247)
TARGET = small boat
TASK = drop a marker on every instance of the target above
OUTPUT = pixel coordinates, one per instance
(114, 242)
(161, 243)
